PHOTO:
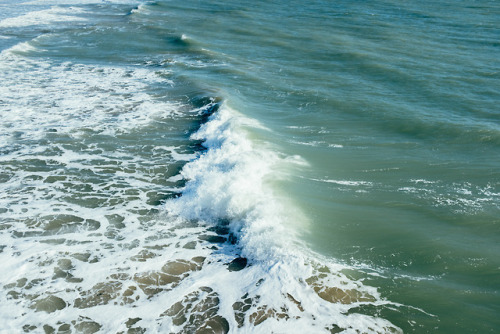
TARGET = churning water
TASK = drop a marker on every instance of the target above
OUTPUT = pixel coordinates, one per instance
(249, 167)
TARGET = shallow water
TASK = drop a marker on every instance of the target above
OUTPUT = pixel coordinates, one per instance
(249, 167)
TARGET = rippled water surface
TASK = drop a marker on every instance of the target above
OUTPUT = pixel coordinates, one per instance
(247, 167)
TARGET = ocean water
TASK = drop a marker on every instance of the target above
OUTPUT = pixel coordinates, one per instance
(249, 167)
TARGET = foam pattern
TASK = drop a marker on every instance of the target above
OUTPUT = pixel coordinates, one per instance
(113, 219)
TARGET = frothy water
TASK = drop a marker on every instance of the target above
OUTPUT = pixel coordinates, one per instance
(86, 246)
(157, 179)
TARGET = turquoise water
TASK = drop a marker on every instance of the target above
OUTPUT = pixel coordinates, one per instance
(348, 151)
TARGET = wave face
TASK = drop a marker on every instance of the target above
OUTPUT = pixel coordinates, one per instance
(231, 168)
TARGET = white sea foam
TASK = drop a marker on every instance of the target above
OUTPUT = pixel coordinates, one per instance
(422, 181)
(346, 182)
(100, 261)
(80, 98)
(228, 184)
(20, 48)
(86, 245)
(78, 2)
(43, 17)
(316, 143)
(141, 9)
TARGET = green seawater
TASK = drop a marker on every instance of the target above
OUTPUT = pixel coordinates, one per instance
(390, 108)
(394, 106)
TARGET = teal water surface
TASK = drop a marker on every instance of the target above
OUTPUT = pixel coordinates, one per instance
(394, 106)
(386, 112)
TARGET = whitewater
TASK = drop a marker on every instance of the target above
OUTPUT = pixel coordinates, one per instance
(240, 168)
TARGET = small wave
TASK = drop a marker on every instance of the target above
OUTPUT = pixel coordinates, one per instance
(44, 17)
(143, 8)
(20, 48)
